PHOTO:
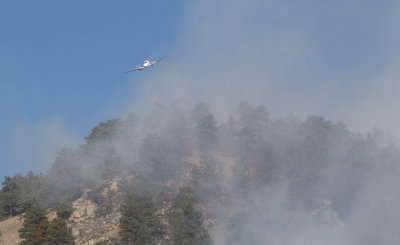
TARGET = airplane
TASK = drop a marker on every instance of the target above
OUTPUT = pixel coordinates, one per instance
(146, 64)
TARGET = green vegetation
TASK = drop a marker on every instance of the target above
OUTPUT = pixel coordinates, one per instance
(64, 181)
(10, 196)
(138, 224)
(59, 233)
(37, 229)
(35, 226)
(105, 131)
(222, 163)
(18, 193)
(102, 242)
(186, 221)
(104, 203)
(64, 210)
(96, 195)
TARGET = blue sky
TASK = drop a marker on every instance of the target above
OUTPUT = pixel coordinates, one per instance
(62, 63)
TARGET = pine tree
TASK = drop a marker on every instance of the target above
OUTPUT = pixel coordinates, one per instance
(59, 233)
(18, 193)
(35, 226)
(205, 128)
(65, 210)
(138, 224)
(143, 235)
(187, 222)
(10, 196)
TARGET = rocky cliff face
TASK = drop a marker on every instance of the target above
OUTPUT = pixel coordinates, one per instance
(89, 227)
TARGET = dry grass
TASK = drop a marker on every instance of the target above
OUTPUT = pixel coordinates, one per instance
(9, 228)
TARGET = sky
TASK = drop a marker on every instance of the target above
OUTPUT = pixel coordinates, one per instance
(62, 64)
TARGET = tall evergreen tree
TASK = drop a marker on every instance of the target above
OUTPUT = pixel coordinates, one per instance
(35, 226)
(65, 210)
(19, 193)
(186, 221)
(10, 196)
(205, 128)
(138, 224)
(64, 180)
(59, 233)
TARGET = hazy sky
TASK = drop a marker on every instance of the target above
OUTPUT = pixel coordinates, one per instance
(62, 64)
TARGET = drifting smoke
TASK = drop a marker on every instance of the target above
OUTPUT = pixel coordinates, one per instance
(308, 58)
(261, 180)
(338, 60)
(258, 180)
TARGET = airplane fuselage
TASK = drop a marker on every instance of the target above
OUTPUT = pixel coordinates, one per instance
(147, 63)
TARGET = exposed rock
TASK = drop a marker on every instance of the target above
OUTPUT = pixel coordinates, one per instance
(51, 215)
(89, 228)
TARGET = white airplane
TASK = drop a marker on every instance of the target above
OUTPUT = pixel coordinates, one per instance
(146, 64)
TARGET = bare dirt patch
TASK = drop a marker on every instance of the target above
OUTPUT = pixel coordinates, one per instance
(9, 228)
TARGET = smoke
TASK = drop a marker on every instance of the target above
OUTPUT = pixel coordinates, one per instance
(257, 180)
(270, 181)
(264, 180)
(324, 186)
(338, 60)
(307, 57)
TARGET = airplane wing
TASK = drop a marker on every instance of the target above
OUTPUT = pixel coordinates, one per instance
(136, 69)
(131, 70)
(160, 59)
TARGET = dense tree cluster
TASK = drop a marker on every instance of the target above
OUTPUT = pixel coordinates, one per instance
(139, 224)
(59, 233)
(18, 193)
(186, 221)
(64, 210)
(222, 163)
(37, 229)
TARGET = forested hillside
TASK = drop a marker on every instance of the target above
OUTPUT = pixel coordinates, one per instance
(185, 178)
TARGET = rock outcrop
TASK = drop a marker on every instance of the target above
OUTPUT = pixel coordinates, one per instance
(89, 227)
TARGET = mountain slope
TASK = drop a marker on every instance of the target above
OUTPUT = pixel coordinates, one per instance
(248, 180)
